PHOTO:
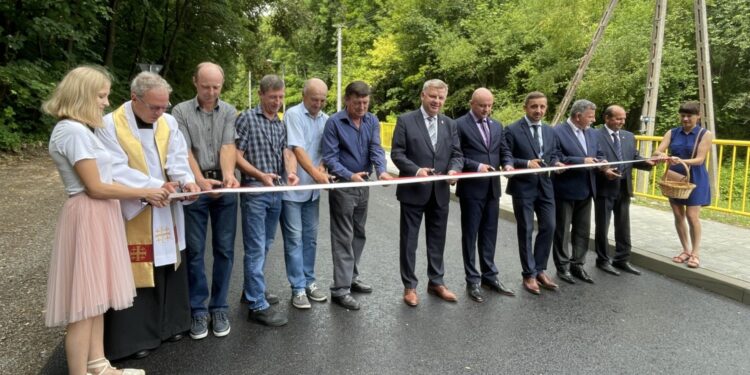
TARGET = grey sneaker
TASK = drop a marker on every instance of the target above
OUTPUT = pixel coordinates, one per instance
(315, 294)
(199, 327)
(220, 323)
(300, 301)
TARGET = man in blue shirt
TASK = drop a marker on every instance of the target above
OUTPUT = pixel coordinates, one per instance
(299, 214)
(262, 157)
(351, 147)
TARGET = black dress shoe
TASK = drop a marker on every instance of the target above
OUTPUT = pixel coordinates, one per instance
(346, 301)
(141, 354)
(497, 286)
(566, 276)
(606, 267)
(580, 273)
(268, 317)
(176, 337)
(475, 292)
(627, 267)
(360, 287)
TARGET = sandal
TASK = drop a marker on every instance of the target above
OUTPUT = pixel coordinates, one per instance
(682, 258)
(694, 261)
(101, 365)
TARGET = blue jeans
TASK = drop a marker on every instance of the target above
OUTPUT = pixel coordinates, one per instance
(260, 215)
(299, 225)
(223, 213)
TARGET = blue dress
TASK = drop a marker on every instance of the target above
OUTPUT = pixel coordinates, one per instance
(681, 145)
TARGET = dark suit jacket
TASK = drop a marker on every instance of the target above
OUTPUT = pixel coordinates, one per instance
(523, 147)
(575, 184)
(476, 152)
(411, 149)
(611, 188)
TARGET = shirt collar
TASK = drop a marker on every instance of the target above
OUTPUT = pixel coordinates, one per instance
(477, 119)
(572, 125)
(528, 121)
(424, 113)
(197, 105)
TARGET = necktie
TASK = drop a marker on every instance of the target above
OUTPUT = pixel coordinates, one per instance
(618, 147)
(485, 132)
(432, 129)
(581, 139)
(535, 131)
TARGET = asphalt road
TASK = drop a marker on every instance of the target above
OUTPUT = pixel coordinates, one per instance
(621, 325)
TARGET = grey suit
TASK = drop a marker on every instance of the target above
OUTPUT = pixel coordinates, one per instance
(613, 196)
(411, 150)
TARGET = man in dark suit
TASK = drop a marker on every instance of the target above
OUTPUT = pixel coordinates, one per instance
(485, 150)
(425, 142)
(574, 192)
(533, 145)
(614, 187)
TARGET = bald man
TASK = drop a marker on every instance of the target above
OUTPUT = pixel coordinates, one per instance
(299, 213)
(614, 188)
(485, 150)
(208, 126)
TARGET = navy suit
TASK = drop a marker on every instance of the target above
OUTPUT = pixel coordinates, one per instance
(532, 193)
(613, 196)
(412, 149)
(480, 197)
(574, 191)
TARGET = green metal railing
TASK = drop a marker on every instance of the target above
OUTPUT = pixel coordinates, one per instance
(732, 179)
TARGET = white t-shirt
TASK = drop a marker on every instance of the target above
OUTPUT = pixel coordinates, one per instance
(72, 141)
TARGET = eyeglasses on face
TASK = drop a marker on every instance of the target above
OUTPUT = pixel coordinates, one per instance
(155, 108)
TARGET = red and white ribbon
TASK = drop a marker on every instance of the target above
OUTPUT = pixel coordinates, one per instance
(398, 180)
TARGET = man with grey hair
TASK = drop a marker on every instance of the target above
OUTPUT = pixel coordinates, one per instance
(300, 209)
(207, 123)
(149, 151)
(425, 142)
(264, 160)
(574, 191)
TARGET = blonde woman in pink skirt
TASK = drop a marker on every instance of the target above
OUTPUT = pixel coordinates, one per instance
(90, 267)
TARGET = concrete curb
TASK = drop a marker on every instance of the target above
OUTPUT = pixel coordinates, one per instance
(712, 281)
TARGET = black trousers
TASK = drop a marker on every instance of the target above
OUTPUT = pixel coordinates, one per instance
(615, 209)
(534, 257)
(436, 222)
(574, 227)
(479, 232)
(157, 314)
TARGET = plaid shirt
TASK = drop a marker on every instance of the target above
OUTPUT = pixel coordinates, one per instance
(263, 142)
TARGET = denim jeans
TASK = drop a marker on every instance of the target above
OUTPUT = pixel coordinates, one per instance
(223, 213)
(299, 225)
(260, 215)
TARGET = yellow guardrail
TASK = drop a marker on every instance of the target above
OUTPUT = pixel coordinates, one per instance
(732, 178)
(731, 192)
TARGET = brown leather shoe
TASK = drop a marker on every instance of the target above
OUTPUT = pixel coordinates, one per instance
(410, 297)
(546, 281)
(529, 283)
(442, 292)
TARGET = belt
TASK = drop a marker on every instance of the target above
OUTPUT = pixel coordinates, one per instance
(214, 174)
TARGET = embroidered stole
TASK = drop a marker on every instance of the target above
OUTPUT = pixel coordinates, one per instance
(139, 230)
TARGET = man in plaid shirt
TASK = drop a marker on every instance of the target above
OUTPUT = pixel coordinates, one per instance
(264, 160)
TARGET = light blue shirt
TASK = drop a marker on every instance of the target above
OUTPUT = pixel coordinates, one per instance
(305, 131)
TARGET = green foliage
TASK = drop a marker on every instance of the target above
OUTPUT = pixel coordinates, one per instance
(509, 46)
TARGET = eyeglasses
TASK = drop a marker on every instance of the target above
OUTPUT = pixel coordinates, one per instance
(155, 108)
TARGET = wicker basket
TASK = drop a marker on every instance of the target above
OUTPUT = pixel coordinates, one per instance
(678, 189)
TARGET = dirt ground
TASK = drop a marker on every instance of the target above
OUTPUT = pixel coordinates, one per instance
(29, 205)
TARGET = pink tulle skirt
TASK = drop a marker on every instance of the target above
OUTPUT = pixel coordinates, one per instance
(89, 270)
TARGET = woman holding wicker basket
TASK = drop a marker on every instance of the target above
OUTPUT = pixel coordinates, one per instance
(688, 146)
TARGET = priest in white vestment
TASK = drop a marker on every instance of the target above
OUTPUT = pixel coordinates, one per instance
(148, 150)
